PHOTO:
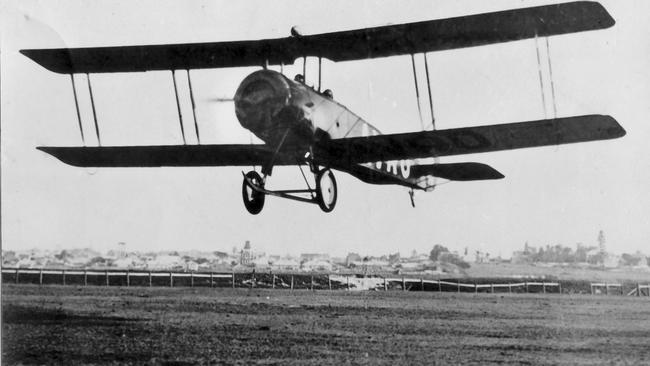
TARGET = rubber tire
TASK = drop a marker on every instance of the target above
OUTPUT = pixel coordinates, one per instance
(324, 173)
(255, 203)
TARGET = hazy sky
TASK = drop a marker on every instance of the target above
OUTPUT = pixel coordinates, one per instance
(550, 195)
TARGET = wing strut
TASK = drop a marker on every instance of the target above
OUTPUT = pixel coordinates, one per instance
(196, 126)
(92, 103)
(178, 105)
(541, 79)
(550, 75)
(426, 68)
(76, 105)
(417, 91)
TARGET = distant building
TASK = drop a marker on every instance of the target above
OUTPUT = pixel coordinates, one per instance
(191, 266)
(166, 262)
(308, 257)
(220, 255)
(481, 257)
(286, 264)
(611, 260)
(520, 257)
(246, 255)
(261, 263)
(316, 265)
(123, 263)
(351, 258)
(375, 265)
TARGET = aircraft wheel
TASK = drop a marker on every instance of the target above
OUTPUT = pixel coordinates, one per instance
(253, 200)
(326, 192)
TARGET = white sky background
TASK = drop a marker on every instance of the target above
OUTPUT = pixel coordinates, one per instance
(550, 195)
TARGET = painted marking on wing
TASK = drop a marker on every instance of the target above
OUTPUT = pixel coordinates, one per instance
(395, 167)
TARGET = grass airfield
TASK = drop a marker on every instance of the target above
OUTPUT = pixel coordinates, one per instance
(187, 326)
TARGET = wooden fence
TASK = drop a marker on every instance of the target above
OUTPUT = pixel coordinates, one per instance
(476, 287)
(309, 281)
(640, 290)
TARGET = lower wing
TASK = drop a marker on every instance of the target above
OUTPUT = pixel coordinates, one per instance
(452, 171)
(169, 155)
(470, 140)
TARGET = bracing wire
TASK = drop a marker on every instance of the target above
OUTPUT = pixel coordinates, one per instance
(550, 73)
(541, 80)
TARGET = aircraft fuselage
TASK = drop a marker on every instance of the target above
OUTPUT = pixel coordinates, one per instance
(269, 104)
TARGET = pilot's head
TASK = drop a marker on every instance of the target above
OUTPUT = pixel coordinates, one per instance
(328, 93)
(299, 78)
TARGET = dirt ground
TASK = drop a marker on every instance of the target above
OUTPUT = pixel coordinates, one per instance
(183, 326)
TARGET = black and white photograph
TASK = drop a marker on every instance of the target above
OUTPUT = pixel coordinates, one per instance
(336, 182)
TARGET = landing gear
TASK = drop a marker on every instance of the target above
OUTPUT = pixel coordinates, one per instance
(253, 197)
(326, 193)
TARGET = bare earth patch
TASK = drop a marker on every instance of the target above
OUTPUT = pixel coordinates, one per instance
(98, 325)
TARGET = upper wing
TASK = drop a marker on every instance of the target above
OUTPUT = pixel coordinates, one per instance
(469, 140)
(168, 155)
(391, 40)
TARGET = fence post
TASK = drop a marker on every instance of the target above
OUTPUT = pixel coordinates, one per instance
(128, 278)
(191, 279)
(475, 288)
(591, 286)
(85, 277)
(638, 290)
(606, 288)
(63, 272)
(403, 284)
(106, 277)
(171, 279)
(347, 280)
(211, 279)
(291, 282)
(233, 279)
(329, 281)
(439, 286)
(312, 282)
(40, 277)
(526, 284)
(491, 288)
(559, 287)
(509, 288)
(149, 278)
(421, 284)
(385, 286)
(272, 280)
(458, 285)
(543, 287)
(252, 279)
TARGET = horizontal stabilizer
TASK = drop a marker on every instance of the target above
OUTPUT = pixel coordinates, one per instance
(391, 40)
(457, 171)
(167, 155)
(470, 140)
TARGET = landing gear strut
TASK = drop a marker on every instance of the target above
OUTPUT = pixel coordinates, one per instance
(324, 195)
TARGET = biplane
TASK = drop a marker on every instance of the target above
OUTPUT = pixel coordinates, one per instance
(304, 126)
